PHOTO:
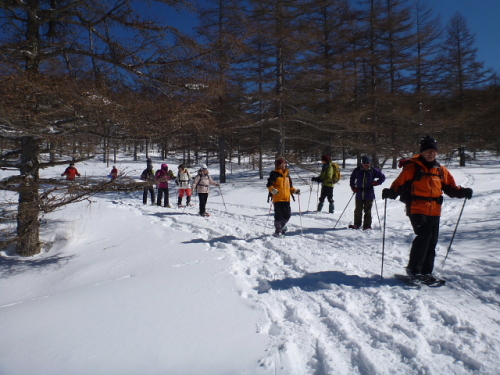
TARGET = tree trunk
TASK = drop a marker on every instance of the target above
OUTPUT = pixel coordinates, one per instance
(28, 225)
(222, 158)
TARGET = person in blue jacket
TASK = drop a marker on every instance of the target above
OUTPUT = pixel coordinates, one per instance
(363, 179)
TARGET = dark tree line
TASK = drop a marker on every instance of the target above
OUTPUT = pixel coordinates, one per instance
(259, 78)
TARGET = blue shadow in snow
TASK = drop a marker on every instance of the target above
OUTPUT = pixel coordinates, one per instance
(311, 282)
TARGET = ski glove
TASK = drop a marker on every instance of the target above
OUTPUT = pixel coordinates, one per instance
(467, 192)
(315, 179)
(375, 183)
(354, 190)
(389, 193)
(274, 191)
(297, 191)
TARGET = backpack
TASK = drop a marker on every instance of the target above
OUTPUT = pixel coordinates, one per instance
(336, 173)
(148, 175)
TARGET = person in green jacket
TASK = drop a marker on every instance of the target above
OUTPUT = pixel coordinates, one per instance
(329, 176)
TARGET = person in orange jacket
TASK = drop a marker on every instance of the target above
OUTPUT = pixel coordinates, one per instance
(422, 182)
(71, 172)
(280, 187)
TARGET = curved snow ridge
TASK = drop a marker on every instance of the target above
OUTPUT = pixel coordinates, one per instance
(329, 313)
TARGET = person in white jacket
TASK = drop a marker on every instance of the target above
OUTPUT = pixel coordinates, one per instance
(201, 183)
(184, 182)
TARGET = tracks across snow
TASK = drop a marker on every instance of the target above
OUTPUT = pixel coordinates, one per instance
(327, 310)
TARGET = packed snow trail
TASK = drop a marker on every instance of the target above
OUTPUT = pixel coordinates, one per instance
(329, 312)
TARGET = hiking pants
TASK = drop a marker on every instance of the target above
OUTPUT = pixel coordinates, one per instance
(363, 206)
(282, 213)
(162, 191)
(326, 192)
(423, 248)
(181, 194)
(151, 190)
(203, 202)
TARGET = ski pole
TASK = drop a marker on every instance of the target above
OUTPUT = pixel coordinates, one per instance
(222, 196)
(344, 210)
(383, 240)
(300, 215)
(317, 197)
(270, 208)
(376, 209)
(454, 232)
(310, 193)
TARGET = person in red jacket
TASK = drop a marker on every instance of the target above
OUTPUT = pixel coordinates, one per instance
(71, 172)
(422, 183)
(114, 173)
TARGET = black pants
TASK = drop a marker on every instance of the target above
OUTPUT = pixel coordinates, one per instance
(363, 206)
(282, 213)
(423, 248)
(162, 191)
(203, 202)
(145, 194)
(326, 192)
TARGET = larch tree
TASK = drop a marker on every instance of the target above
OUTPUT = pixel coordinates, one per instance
(461, 73)
(56, 58)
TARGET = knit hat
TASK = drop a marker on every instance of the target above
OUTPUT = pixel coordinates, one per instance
(428, 143)
(182, 166)
(279, 161)
(325, 158)
(203, 166)
(164, 166)
(366, 159)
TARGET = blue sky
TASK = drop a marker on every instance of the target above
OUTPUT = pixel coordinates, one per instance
(483, 20)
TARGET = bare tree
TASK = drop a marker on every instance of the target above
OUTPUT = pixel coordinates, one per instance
(58, 58)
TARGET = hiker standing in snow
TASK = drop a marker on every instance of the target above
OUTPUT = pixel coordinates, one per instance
(71, 172)
(114, 173)
(201, 183)
(162, 177)
(329, 176)
(280, 187)
(363, 179)
(183, 181)
(421, 184)
(148, 175)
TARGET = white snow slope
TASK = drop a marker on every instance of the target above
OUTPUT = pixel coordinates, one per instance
(125, 288)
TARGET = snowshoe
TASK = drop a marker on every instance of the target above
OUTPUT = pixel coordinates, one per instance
(432, 281)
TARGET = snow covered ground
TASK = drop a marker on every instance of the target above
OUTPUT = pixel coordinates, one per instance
(126, 288)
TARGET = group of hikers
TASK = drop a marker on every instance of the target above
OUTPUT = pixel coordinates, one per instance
(419, 185)
(200, 184)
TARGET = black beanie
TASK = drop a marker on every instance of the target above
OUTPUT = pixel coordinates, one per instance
(428, 143)
(366, 159)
